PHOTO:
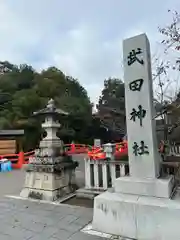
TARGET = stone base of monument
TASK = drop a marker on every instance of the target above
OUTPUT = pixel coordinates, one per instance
(137, 217)
(48, 186)
(160, 187)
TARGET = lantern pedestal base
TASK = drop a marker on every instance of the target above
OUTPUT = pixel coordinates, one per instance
(49, 186)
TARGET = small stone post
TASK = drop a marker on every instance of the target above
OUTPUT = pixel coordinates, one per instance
(109, 149)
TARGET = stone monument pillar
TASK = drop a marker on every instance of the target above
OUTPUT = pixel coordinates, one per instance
(141, 206)
(50, 174)
(144, 158)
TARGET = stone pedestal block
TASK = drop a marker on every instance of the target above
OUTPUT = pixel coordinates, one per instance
(137, 217)
(161, 187)
(47, 186)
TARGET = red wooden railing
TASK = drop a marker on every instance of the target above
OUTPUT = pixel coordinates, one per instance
(76, 148)
(18, 160)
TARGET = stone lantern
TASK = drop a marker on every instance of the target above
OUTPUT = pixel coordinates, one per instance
(50, 174)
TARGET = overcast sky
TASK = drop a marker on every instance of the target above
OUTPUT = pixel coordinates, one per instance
(83, 38)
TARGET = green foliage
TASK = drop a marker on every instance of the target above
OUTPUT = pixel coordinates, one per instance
(111, 106)
(23, 91)
(113, 96)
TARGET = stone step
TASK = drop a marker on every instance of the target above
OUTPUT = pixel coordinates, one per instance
(88, 193)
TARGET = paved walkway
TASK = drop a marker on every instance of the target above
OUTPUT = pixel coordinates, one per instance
(31, 220)
(27, 220)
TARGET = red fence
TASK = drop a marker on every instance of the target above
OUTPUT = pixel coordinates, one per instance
(76, 148)
(18, 160)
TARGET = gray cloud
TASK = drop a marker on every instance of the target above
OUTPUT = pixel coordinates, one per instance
(82, 38)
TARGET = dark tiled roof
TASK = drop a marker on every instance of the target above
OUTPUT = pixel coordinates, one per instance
(13, 132)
